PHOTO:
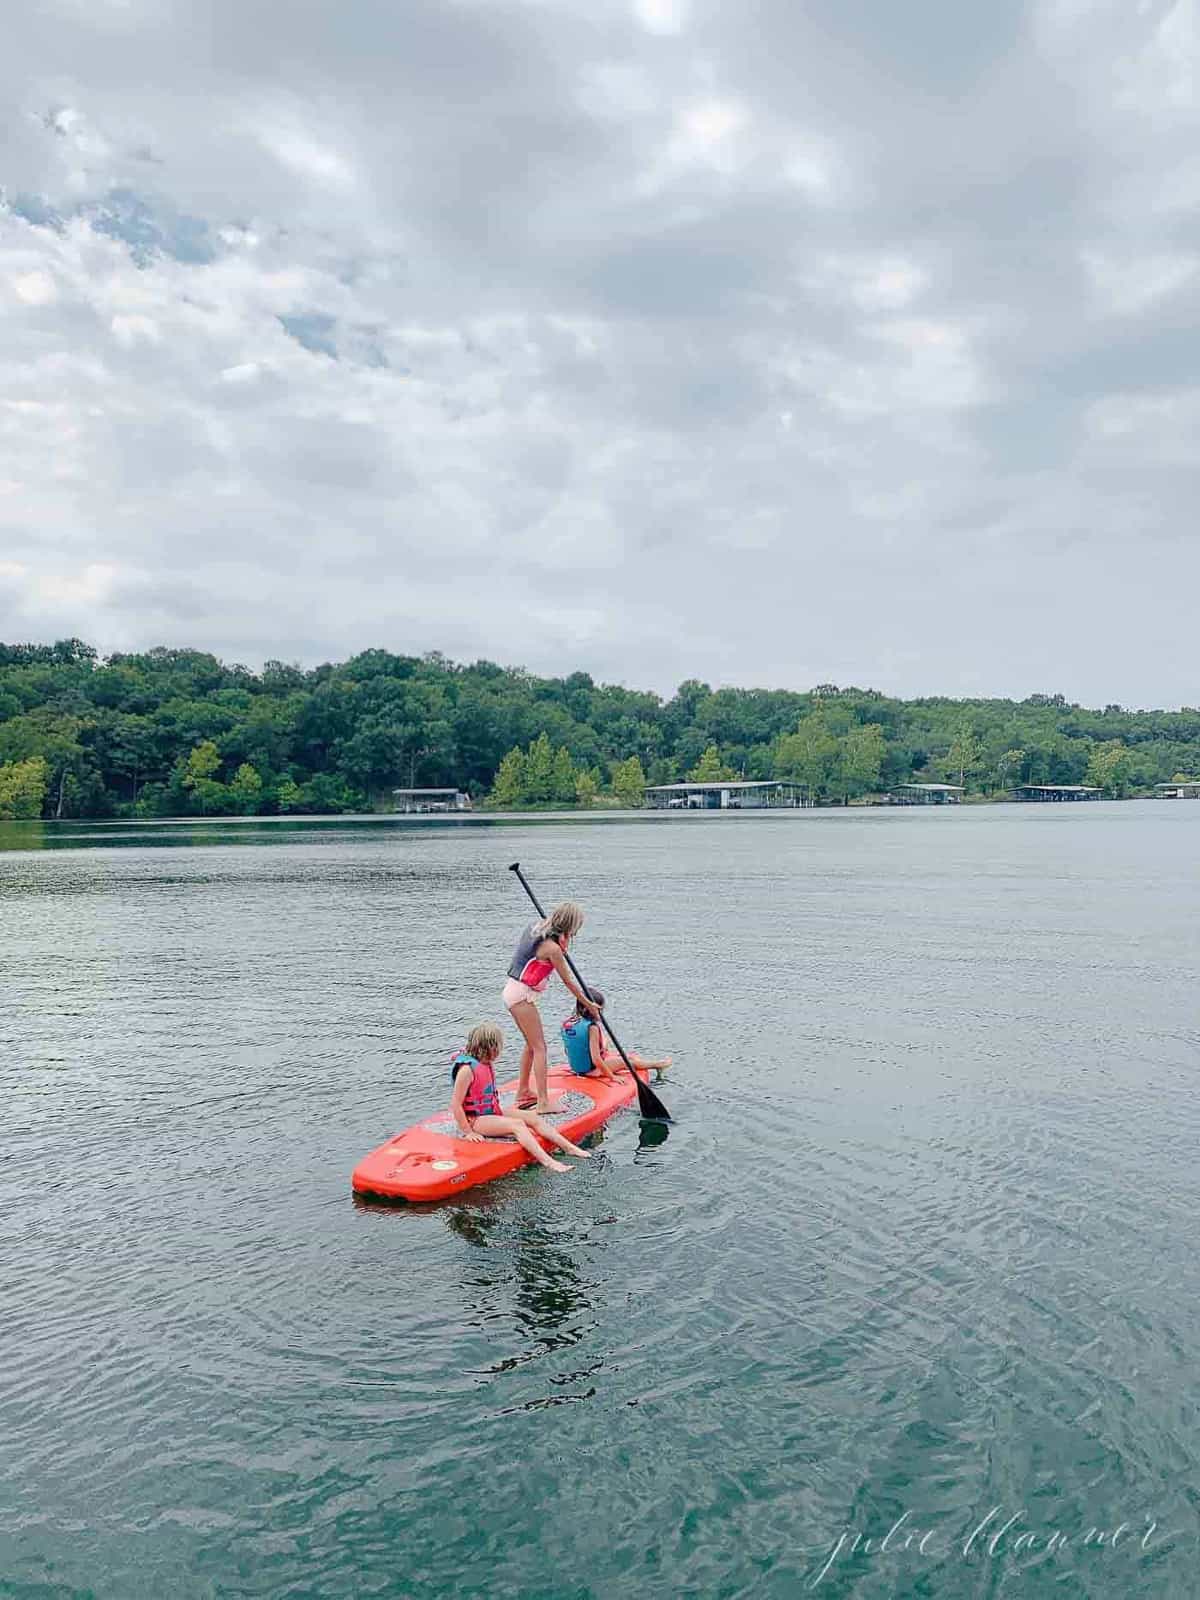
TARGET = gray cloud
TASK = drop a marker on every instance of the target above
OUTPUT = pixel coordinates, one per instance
(774, 343)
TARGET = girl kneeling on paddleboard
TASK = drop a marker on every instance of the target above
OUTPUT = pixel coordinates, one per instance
(475, 1102)
(539, 953)
(587, 1056)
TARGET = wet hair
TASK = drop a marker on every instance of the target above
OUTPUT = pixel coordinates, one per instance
(565, 920)
(485, 1042)
(596, 995)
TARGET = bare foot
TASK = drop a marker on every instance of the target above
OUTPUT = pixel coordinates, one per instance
(574, 1150)
(549, 1109)
(556, 1166)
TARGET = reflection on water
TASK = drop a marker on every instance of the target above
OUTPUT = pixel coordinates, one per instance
(205, 832)
(25, 835)
(652, 1134)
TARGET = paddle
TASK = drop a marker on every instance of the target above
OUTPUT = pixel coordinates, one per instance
(649, 1105)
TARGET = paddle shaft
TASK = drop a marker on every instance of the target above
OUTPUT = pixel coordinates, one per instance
(648, 1102)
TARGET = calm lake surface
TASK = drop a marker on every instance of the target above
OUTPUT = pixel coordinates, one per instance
(922, 1239)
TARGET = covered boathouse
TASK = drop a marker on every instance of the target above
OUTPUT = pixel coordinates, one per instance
(1180, 789)
(1057, 791)
(926, 794)
(431, 800)
(738, 794)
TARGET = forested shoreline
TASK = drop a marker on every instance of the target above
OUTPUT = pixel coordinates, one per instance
(172, 732)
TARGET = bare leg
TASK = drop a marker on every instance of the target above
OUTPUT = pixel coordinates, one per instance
(523, 1133)
(530, 1028)
(549, 1131)
(657, 1067)
(523, 1075)
(525, 1015)
(615, 1064)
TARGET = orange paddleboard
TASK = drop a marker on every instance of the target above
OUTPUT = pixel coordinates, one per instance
(430, 1162)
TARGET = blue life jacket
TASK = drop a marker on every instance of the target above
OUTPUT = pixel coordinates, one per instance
(482, 1098)
(577, 1038)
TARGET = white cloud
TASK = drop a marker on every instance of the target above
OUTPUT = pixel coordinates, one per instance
(66, 599)
(1160, 79)
(59, 591)
(1129, 284)
(296, 148)
(129, 330)
(243, 372)
(1160, 428)
(35, 288)
(661, 16)
(889, 285)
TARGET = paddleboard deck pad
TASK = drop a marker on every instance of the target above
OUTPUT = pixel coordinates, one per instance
(429, 1161)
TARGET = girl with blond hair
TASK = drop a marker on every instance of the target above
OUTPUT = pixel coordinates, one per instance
(475, 1103)
(539, 954)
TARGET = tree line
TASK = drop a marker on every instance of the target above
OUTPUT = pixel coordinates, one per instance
(170, 732)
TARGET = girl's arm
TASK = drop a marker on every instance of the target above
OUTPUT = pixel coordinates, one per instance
(465, 1130)
(549, 951)
(596, 1050)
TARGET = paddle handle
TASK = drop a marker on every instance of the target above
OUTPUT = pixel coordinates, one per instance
(602, 1019)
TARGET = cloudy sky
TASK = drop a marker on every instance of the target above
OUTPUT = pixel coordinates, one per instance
(777, 342)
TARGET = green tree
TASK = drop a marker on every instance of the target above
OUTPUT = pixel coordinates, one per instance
(710, 768)
(629, 782)
(1108, 766)
(289, 796)
(128, 747)
(539, 771)
(56, 738)
(565, 777)
(586, 788)
(23, 787)
(328, 793)
(198, 778)
(965, 754)
(246, 790)
(1008, 768)
(204, 762)
(808, 756)
(508, 790)
(860, 759)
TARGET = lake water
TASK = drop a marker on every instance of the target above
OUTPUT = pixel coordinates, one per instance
(920, 1244)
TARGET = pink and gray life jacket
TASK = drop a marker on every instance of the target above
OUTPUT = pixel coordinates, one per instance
(525, 966)
(482, 1097)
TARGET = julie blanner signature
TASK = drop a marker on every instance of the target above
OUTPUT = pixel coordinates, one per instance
(997, 1535)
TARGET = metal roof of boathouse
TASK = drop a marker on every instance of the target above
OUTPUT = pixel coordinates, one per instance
(715, 788)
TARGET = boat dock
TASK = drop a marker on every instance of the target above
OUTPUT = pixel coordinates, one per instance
(738, 794)
(424, 800)
(1057, 791)
(926, 794)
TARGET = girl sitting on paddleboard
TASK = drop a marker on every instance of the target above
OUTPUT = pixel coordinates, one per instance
(539, 953)
(587, 1054)
(475, 1102)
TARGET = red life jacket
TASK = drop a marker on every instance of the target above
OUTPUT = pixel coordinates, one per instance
(482, 1097)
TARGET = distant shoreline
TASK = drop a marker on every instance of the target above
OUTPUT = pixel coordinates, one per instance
(533, 814)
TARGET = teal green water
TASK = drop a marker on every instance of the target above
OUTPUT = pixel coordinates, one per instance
(920, 1245)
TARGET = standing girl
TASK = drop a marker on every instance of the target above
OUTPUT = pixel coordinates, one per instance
(539, 953)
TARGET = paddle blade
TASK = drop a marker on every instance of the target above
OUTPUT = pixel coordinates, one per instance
(649, 1105)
